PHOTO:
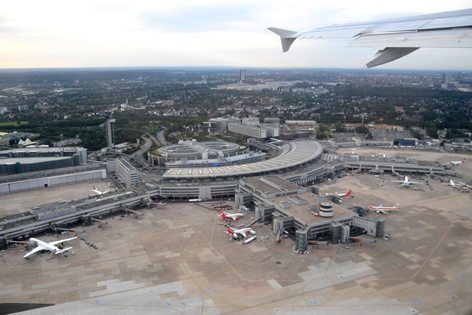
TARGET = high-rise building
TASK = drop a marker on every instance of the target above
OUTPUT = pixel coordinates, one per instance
(127, 173)
(242, 76)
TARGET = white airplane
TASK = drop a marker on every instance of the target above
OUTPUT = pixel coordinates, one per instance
(455, 163)
(98, 192)
(233, 216)
(240, 232)
(383, 209)
(341, 195)
(41, 245)
(395, 38)
(406, 182)
(249, 240)
(346, 194)
(458, 185)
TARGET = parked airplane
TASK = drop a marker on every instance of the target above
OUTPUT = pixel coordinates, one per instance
(241, 232)
(249, 240)
(395, 38)
(346, 194)
(459, 185)
(233, 216)
(384, 209)
(455, 163)
(98, 192)
(51, 246)
(406, 182)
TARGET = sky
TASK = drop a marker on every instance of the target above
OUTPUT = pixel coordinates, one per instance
(140, 33)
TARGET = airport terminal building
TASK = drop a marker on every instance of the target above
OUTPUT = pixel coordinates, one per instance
(37, 159)
(297, 211)
(297, 160)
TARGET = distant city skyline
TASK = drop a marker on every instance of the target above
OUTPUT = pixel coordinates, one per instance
(123, 33)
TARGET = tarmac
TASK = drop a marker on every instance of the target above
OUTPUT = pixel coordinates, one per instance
(23, 201)
(178, 259)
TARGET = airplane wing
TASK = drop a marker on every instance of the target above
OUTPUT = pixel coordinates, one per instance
(34, 251)
(243, 233)
(395, 38)
(62, 241)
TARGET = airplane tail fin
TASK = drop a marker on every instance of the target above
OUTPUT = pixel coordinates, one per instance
(287, 37)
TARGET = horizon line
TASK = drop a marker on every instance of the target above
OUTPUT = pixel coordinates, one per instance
(20, 69)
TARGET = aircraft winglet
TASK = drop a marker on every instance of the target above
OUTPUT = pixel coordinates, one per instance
(287, 37)
(389, 54)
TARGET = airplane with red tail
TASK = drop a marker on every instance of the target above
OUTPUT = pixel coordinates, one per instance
(241, 232)
(383, 209)
(233, 216)
(346, 194)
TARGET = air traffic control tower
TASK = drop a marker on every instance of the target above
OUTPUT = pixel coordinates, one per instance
(109, 130)
(304, 215)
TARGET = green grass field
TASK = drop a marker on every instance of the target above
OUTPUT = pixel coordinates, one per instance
(13, 123)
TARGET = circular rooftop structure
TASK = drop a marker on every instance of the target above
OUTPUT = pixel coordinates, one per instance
(326, 209)
(293, 154)
(192, 149)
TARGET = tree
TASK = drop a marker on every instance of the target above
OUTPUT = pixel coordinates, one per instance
(340, 127)
(93, 138)
(432, 132)
(323, 132)
(361, 129)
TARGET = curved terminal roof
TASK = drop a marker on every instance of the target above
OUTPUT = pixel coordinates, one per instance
(293, 154)
(194, 148)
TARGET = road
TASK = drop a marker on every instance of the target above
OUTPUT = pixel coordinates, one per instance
(161, 139)
(138, 155)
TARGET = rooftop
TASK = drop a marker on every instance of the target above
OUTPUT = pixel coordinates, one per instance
(32, 160)
(301, 206)
(293, 154)
(271, 184)
(42, 150)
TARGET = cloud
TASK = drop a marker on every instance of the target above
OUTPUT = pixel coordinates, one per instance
(6, 28)
(199, 18)
(203, 32)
